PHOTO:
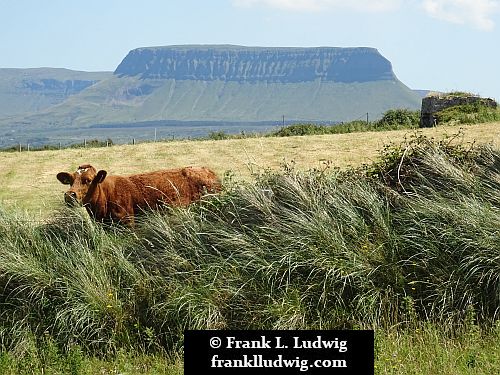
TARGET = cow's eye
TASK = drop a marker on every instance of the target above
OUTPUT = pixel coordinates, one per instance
(86, 181)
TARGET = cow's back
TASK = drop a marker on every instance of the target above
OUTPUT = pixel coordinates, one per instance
(202, 179)
(176, 187)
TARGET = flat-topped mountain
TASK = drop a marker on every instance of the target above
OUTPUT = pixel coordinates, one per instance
(257, 64)
(177, 86)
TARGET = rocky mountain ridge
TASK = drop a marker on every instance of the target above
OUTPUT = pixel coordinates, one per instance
(257, 64)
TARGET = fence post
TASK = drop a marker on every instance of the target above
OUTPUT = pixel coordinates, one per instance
(133, 141)
(60, 145)
(84, 143)
(28, 148)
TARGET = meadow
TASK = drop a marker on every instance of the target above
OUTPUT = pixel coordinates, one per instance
(28, 178)
(317, 232)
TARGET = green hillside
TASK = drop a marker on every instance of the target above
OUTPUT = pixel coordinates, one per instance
(30, 90)
(201, 83)
(132, 99)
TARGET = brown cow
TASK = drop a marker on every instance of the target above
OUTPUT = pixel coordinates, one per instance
(120, 198)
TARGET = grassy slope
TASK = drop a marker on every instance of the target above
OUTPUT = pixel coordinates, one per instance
(28, 178)
(117, 99)
(15, 99)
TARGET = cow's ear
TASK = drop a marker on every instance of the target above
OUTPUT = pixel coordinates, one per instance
(65, 178)
(101, 175)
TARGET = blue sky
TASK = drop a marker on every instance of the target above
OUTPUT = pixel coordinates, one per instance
(440, 45)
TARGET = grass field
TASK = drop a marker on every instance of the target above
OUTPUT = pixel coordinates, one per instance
(408, 246)
(28, 178)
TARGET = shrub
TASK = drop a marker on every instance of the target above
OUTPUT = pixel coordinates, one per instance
(399, 118)
(218, 135)
(392, 119)
(301, 129)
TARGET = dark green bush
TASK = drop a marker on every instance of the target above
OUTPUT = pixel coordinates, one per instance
(301, 129)
(399, 118)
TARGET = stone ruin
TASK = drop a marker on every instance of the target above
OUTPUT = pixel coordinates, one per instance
(434, 103)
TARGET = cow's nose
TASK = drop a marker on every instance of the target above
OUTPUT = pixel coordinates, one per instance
(70, 197)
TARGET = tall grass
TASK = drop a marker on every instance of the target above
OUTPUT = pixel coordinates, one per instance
(447, 228)
(410, 240)
(68, 280)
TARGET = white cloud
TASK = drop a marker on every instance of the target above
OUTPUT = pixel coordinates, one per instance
(319, 5)
(477, 13)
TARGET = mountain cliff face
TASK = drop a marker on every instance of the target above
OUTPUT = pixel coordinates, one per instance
(257, 64)
(50, 85)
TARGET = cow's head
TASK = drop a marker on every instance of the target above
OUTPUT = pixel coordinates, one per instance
(84, 179)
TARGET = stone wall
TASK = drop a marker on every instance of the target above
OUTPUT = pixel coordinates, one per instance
(435, 103)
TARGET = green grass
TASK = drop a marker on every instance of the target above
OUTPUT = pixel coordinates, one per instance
(474, 113)
(51, 361)
(426, 350)
(407, 246)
